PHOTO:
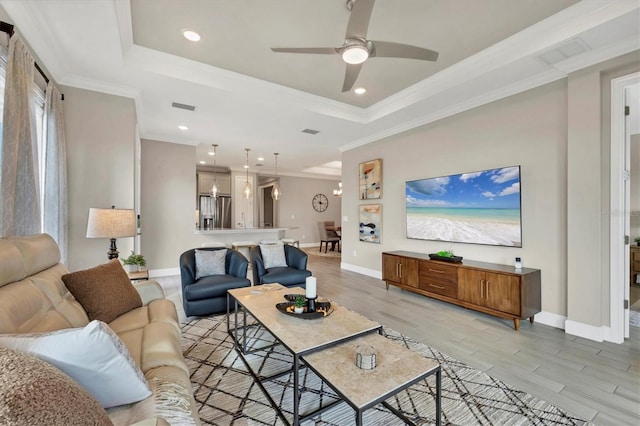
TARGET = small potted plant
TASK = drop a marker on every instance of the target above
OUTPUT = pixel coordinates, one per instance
(299, 303)
(134, 263)
(637, 240)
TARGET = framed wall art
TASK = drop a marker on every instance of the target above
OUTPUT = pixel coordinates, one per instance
(370, 180)
(370, 223)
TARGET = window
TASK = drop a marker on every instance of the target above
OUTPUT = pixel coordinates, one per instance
(3, 73)
(39, 100)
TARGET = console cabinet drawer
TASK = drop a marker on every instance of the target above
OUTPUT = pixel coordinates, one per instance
(439, 278)
(439, 287)
(438, 271)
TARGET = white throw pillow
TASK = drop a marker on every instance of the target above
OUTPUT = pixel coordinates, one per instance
(94, 356)
(273, 255)
(210, 262)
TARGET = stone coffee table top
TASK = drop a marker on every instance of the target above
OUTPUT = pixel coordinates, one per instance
(396, 368)
(297, 334)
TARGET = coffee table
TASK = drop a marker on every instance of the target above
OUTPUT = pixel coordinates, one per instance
(306, 338)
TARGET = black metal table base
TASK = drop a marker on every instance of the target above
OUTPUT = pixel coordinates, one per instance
(241, 345)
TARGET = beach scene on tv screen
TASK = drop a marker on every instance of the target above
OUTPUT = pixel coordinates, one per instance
(480, 207)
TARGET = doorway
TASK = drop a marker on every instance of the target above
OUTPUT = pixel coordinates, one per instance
(268, 207)
(625, 92)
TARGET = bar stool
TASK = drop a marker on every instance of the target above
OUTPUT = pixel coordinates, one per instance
(243, 247)
(270, 241)
(214, 244)
(291, 242)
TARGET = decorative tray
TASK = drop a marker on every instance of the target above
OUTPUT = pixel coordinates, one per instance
(452, 259)
(323, 309)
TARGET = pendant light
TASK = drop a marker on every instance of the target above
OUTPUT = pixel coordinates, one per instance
(275, 190)
(214, 187)
(248, 190)
(338, 192)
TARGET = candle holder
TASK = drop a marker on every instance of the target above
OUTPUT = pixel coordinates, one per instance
(365, 357)
(311, 304)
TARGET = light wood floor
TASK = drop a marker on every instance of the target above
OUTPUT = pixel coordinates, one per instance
(599, 382)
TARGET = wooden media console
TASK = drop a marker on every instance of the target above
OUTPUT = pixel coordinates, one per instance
(499, 290)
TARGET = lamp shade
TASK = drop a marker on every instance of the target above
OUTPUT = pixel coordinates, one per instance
(111, 223)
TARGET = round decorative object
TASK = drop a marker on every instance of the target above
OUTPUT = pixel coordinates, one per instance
(320, 202)
(365, 357)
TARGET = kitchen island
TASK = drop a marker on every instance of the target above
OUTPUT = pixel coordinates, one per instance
(229, 235)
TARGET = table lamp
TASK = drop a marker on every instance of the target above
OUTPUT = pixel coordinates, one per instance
(111, 223)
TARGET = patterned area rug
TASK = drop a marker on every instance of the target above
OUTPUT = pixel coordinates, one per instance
(227, 395)
(315, 251)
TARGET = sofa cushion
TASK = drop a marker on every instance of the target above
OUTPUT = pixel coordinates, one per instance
(273, 255)
(210, 262)
(104, 291)
(94, 356)
(33, 392)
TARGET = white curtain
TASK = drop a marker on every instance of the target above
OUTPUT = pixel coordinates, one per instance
(55, 178)
(19, 193)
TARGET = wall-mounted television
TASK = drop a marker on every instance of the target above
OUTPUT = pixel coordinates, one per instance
(480, 207)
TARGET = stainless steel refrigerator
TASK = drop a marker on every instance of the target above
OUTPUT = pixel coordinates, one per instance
(215, 213)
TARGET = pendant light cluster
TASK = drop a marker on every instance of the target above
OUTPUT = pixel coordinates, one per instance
(275, 190)
(248, 189)
(214, 187)
(338, 192)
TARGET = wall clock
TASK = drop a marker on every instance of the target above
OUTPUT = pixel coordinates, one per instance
(320, 202)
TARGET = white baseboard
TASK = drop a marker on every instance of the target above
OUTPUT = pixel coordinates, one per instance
(551, 319)
(364, 271)
(168, 272)
(591, 332)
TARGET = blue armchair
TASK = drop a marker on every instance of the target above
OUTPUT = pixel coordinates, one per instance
(208, 295)
(292, 275)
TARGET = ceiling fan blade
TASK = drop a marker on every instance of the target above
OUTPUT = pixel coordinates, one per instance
(387, 49)
(359, 19)
(350, 76)
(316, 50)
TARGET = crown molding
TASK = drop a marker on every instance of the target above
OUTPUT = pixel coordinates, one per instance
(482, 99)
(101, 86)
(38, 35)
(595, 56)
(543, 35)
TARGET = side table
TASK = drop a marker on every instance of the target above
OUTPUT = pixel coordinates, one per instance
(138, 275)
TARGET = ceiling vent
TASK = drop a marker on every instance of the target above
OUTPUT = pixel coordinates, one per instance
(571, 48)
(311, 131)
(183, 106)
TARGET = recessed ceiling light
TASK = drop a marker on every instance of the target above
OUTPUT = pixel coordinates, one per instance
(260, 158)
(245, 166)
(190, 35)
(203, 162)
(183, 127)
(360, 90)
(211, 153)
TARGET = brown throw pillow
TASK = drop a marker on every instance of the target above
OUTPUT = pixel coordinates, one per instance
(33, 393)
(104, 291)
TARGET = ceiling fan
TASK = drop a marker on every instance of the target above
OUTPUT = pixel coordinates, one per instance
(356, 48)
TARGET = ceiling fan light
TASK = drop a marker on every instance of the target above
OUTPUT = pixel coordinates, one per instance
(355, 55)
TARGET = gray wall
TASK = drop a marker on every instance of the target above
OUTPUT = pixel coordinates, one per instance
(100, 132)
(559, 134)
(295, 209)
(168, 188)
(527, 130)
(635, 187)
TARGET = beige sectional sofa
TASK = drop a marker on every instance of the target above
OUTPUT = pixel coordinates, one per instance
(34, 299)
